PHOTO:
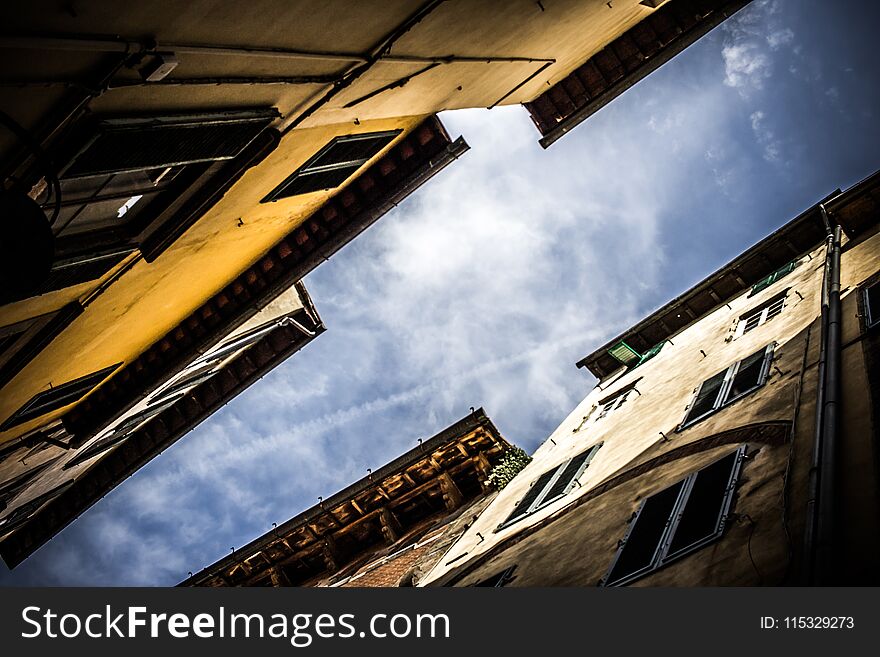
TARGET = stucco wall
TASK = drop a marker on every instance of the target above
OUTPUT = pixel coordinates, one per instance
(573, 540)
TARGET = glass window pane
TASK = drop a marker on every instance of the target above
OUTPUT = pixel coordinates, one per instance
(748, 375)
(641, 545)
(707, 396)
(872, 296)
(701, 516)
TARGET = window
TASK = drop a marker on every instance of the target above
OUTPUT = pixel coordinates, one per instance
(499, 579)
(782, 272)
(625, 354)
(11, 488)
(552, 485)
(58, 397)
(21, 342)
(120, 432)
(240, 341)
(115, 167)
(760, 315)
(616, 400)
(872, 305)
(727, 386)
(155, 143)
(333, 164)
(190, 379)
(22, 514)
(607, 407)
(677, 521)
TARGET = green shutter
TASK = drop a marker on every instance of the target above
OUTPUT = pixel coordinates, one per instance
(653, 351)
(782, 272)
(624, 353)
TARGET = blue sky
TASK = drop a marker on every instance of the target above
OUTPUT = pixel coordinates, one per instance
(486, 286)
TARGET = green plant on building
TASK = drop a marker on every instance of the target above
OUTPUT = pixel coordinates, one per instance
(511, 462)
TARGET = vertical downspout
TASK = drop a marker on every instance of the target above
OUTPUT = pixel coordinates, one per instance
(819, 533)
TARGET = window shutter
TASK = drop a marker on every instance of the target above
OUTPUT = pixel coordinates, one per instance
(531, 495)
(638, 550)
(678, 520)
(625, 354)
(58, 397)
(156, 142)
(653, 351)
(766, 282)
(706, 397)
(119, 433)
(747, 377)
(333, 164)
(565, 480)
(26, 510)
(708, 499)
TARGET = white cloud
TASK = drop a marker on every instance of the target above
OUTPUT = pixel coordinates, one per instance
(780, 37)
(749, 39)
(766, 138)
(745, 66)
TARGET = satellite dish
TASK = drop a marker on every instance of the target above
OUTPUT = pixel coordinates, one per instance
(27, 246)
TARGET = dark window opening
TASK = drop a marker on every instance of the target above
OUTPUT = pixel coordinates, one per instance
(108, 201)
(119, 433)
(872, 305)
(747, 376)
(677, 521)
(9, 336)
(119, 145)
(639, 548)
(75, 271)
(57, 397)
(24, 340)
(14, 486)
(731, 384)
(23, 513)
(333, 164)
(702, 512)
(552, 485)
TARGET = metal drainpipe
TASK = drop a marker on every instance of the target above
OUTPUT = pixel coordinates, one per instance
(820, 528)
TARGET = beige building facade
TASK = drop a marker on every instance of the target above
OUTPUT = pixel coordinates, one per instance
(700, 458)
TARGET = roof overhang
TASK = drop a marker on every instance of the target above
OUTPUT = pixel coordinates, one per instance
(856, 210)
(632, 56)
(461, 450)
